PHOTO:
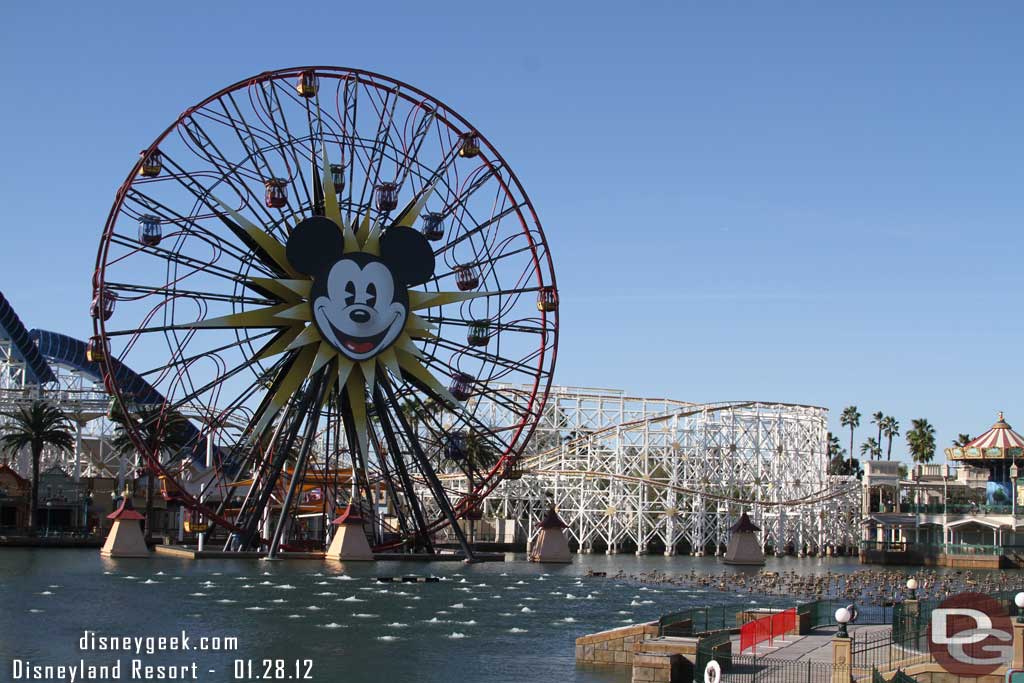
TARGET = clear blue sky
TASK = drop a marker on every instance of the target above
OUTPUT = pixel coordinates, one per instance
(782, 201)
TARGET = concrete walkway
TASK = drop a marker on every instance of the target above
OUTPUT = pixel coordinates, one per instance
(814, 647)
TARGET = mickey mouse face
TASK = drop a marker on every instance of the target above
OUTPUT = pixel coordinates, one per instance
(360, 302)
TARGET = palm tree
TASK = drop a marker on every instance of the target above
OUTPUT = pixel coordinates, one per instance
(834, 447)
(37, 426)
(921, 440)
(850, 418)
(836, 456)
(962, 440)
(161, 433)
(876, 419)
(891, 428)
(480, 457)
(871, 448)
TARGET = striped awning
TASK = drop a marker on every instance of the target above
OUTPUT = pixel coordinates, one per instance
(998, 443)
(1000, 436)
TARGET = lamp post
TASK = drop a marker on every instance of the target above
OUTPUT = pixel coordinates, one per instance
(843, 617)
(1014, 474)
(912, 587)
(49, 504)
(1019, 601)
(945, 503)
(86, 500)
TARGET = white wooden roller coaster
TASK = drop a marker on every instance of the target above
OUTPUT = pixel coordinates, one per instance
(659, 475)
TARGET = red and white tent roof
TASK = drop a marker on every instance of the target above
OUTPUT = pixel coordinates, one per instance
(1000, 436)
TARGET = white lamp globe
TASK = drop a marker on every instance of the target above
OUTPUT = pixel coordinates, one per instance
(843, 615)
(912, 584)
(1019, 600)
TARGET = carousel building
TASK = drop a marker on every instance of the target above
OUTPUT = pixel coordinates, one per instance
(962, 514)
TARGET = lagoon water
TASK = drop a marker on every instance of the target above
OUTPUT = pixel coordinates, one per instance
(511, 621)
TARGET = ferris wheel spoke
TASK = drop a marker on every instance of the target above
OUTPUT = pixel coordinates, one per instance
(379, 147)
(171, 289)
(195, 393)
(418, 138)
(208, 150)
(515, 326)
(177, 360)
(429, 418)
(257, 138)
(502, 399)
(477, 229)
(457, 206)
(302, 155)
(179, 259)
(295, 176)
(204, 194)
(347, 108)
(478, 353)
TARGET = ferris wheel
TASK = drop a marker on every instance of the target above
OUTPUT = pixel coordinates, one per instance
(330, 268)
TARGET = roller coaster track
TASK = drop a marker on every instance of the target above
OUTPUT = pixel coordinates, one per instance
(542, 463)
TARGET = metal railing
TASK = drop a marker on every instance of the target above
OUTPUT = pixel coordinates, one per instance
(751, 669)
(971, 549)
(822, 612)
(888, 546)
(957, 509)
(889, 649)
(705, 620)
(711, 619)
(934, 548)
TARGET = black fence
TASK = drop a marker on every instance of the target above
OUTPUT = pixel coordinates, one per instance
(751, 669)
(704, 620)
(883, 650)
(823, 612)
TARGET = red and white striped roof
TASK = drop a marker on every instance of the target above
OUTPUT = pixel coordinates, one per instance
(1000, 436)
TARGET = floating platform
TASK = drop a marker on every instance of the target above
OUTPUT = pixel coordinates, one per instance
(192, 554)
(15, 541)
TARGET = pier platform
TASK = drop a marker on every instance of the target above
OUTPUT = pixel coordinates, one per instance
(192, 553)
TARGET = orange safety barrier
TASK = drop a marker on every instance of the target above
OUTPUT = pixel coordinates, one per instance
(767, 628)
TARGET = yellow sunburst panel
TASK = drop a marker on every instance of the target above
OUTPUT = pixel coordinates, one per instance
(267, 242)
(420, 300)
(289, 384)
(300, 334)
(258, 317)
(292, 291)
(281, 343)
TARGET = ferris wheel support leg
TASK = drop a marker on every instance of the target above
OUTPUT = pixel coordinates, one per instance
(201, 543)
(403, 473)
(78, 452)
(299, 470)
(261, 505)
(428, 473)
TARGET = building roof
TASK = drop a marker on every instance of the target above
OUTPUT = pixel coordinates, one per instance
(7, 468)
(980, 521)
(1001, 435)
(126, 511)
(999, 442)
(55, 470)
(744, 525)
(551, 520)
(349, 515)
